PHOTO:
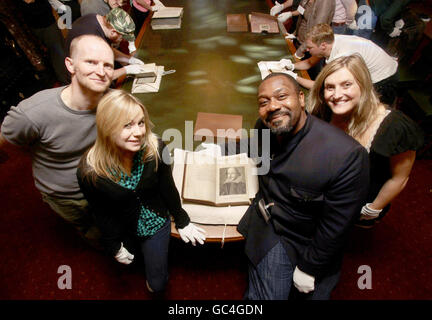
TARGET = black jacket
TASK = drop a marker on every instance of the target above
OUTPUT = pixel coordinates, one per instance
(116, 209)
(318, 180)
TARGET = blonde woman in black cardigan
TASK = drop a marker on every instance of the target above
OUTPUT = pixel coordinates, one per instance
(131, 190)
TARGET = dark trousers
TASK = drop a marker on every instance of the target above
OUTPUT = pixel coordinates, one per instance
(155, 252)
(387, 89)
(272, 279)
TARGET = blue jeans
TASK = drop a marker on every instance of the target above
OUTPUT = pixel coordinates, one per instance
(340, 29)
(272, 279)
(365, 31)
(155, 252)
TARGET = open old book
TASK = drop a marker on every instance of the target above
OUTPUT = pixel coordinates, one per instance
(216, 180)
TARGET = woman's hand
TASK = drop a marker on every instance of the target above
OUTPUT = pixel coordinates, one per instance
(192, 233)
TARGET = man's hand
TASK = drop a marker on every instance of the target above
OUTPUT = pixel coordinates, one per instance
(133, 60)
(133, 69)
(278, 7)
(303, 282)
(353, 25)
(395, 33)
(283, 17)
(287, 64)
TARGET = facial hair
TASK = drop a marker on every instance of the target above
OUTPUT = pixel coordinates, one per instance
(280, 129)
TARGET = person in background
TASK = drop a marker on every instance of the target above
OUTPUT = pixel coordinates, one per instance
(310, 13)
(296, 226)
(131, 190)
(323, 43)
(141, 9)
(58, 125)
(39, 17)
(343, 95)
(388, 12)
(113, 28)
(100, 7)
(344, 16)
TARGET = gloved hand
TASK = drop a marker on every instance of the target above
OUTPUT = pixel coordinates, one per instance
(368, 213)
(284, 16)
(123, 256)
(287, 63)
(135, 69)
(290, 36)
(131, 46)
(276, 8)
(192, 233)
(133, 60)
(353, 25)
(211, 149)
(303, 282)
(399, 24)
(395, 33)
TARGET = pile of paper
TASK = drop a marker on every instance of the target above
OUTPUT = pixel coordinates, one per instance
(267, 67)
(167, 18)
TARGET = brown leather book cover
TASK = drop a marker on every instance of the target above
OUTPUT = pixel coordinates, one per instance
(207, 125)
(262, 22)
(237, 22)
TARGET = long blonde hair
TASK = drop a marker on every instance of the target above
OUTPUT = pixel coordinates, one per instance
(368, 106)
(114, 110)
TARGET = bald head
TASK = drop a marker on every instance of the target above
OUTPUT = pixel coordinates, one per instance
(87, 40)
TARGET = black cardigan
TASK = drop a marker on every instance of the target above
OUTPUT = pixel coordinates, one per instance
(116, 209)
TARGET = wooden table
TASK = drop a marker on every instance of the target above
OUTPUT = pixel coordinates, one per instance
(216, 72)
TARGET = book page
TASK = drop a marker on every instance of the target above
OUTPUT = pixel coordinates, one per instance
(199, 181)
(232, 178)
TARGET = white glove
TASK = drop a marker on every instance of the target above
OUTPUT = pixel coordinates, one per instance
(133, 60)
(353, 25)
(135, 69)
(303, 282)
(192, 233)
(368, 213)
(123, 256)
(399, 24)
(132, 47)
(276, 8)
(287, 63)
(211, 149)
(290, 36)
(284, 16)
(395, 33)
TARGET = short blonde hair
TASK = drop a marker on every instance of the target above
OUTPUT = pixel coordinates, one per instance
(321, 33)
(114, 111)
(367, 107)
